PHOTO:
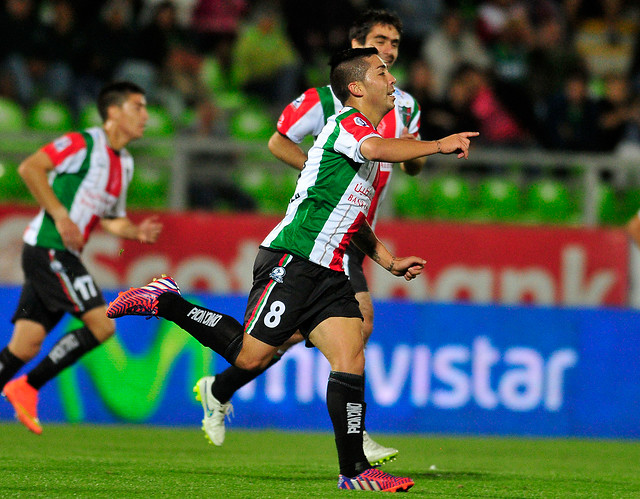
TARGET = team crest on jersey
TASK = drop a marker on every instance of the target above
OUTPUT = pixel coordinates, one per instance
(359, 121)
(405, 114)
(296, 103)
(277, 274)
(61, 143)
(56, 267)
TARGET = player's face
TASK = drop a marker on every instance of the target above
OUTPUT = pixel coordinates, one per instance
(132, 116)
(380, 85)
(386, 39)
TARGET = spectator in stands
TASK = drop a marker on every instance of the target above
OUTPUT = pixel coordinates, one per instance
(551, 60)
(216, 24)
(419, 19)
(571, 117)
(22, 64)
(177, 65)
(265, 63)
(620, 112)
(449, 46)
(111, 41)
(475, 89)
(63, 47)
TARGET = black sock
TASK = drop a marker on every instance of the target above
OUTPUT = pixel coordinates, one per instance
(345, 401)
(221, 333)
(9, 366)
(65, 352)
(233, 378)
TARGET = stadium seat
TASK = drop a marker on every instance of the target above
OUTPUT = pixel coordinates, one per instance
(50, 116)
(607, 209)
(408, 195)
(549, 201)
(251, 123)
(160, 123)
(11, 116)
(12, 187)
(499, 199)
(89, 116)
(148, 189)
(449, 197)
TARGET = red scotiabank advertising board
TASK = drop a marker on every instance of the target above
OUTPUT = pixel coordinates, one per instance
(507, 264)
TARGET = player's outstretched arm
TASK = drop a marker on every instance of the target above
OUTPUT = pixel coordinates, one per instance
(408, 267)
(398, 150)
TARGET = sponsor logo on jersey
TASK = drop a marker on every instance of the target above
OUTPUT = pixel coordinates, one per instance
(277, 274)
(61, 143)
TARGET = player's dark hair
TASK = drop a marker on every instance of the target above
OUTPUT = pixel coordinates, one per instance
(116, 94)
(348, 66)
(365, 22)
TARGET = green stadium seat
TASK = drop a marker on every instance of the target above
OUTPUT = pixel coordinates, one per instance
(160, 123)
(549, 201)
(12, 187)
(449, 197)
(271, 191)
(11, 116)
(608, 212)
(408, 195)
(148, 189)
(499, 200)
(630, 203)
(50, 116)
(89, 116)
(251, 123)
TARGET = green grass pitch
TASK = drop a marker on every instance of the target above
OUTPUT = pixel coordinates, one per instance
(139, 461)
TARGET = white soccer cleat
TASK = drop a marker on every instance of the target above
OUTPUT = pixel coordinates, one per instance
(214, 411)
(375, 453)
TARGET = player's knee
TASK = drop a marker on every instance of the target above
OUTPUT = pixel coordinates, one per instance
(252, 363)
(367, 329)
(103, 331)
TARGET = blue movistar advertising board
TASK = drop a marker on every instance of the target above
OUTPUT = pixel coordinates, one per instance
(464, 369)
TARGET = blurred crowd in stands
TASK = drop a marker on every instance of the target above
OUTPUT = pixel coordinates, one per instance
(559, 74)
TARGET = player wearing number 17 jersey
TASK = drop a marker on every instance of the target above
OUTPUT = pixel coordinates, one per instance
(79, 180)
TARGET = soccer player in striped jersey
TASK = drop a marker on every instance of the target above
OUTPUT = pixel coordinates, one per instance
(79, 180)
(299, 283)
(306, 116)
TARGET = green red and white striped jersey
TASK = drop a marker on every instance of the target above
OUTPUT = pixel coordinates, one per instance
(334, 193)
(308, 114)
(90, 179)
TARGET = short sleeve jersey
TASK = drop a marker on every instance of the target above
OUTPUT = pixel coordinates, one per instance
(308, 114)
(89, 178)
(334, 193)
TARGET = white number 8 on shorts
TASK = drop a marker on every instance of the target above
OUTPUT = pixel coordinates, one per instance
(272, 319)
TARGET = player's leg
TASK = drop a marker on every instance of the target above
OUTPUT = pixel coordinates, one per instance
(24, 345)
(215, 392)
(376, 453)
(340, 340)
(72, 346)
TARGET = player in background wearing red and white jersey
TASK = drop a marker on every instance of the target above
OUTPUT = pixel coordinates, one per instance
(79, 179)
(306, 116)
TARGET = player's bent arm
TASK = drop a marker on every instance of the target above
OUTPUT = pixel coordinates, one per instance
(147, 231)
(408, 267)
(34, 171)
(413, 166)
(287, 150)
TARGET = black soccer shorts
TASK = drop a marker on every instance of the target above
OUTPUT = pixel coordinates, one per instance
(56, 282)
(291, 293)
